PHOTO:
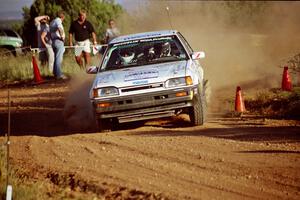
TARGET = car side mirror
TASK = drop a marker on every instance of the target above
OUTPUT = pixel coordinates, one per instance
(92, 70)
(198, 55)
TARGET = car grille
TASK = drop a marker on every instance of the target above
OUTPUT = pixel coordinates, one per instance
(142, 87)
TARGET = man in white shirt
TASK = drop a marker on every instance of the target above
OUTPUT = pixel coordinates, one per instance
(46, 53)
(112, 31)
(58, 38)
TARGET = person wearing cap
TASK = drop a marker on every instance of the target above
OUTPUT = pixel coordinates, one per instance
(82, 29)
(46, 53)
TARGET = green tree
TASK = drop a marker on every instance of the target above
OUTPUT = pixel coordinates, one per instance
(98, 13)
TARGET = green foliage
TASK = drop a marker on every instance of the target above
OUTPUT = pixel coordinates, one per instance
(15, 69)
(98, 13)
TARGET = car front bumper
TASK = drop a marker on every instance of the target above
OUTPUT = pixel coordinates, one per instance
(145, 106)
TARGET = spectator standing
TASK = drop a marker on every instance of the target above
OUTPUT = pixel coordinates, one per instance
(82, 30)
(46, 53)
(112, 31)
(58, 38)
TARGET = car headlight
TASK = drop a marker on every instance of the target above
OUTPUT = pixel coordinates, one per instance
(105, 92)
(176, 82)
(18, 44)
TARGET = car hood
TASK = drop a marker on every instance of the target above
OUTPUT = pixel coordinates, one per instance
(12, 41)
(141, 75)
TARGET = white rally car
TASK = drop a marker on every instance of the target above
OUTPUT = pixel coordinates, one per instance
(146, 76)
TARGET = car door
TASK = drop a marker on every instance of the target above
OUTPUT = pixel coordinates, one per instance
(196, 65)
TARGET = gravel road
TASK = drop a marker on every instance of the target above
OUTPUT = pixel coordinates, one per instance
(247, 157)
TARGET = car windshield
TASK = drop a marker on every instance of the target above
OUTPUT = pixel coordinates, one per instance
(143, 52)
(10, 33)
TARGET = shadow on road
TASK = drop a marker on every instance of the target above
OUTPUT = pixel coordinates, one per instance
(271, 151)
(50, 123)
(42, 115)
(284, 134)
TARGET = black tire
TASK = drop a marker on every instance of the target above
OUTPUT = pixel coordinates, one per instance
(207, 91)
(107, 125)
(197, 113)
(104, 125)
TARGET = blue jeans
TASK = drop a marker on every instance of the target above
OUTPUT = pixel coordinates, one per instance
(59, 49)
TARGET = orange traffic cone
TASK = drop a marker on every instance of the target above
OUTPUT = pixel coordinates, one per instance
(239, 102)
(286, 83)
(36, 71)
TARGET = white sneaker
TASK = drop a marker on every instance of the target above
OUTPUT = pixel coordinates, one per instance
(62, 77)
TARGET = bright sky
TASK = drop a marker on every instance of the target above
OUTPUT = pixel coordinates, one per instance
(13, 8)
(14, 5)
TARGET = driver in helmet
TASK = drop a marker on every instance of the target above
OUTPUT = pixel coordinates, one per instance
(126, 56)
(150, 53)
(165, 49)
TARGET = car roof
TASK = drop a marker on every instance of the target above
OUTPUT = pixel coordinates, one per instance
(125, 38)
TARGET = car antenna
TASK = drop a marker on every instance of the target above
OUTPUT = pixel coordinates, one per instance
(169, 18)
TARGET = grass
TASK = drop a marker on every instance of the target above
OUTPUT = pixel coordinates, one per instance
(21, 190)
(19, 68)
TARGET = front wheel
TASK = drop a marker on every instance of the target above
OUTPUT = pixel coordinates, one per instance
(107, 125)
(197, 113)
(103, 125)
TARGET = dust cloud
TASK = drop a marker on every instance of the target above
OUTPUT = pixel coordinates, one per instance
(245, 43)
(78, 112)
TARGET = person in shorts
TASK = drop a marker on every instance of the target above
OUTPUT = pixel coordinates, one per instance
(82, 29)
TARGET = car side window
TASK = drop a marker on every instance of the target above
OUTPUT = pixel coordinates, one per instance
(2, 33)
(185, 43)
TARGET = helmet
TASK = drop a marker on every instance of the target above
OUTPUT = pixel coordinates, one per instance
(126, 57)
(151, 53)
(165, 49)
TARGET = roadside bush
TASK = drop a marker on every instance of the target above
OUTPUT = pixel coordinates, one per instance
(276, 103)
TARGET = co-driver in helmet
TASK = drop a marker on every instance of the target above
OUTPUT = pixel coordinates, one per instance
(126, 56)
(165, 49)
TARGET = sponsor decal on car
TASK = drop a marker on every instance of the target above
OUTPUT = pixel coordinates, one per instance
(140, 82)
(141, 74)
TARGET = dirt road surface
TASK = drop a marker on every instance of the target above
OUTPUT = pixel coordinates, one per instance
(228, 158)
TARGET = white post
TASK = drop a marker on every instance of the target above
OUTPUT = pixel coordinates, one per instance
(9, 192)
